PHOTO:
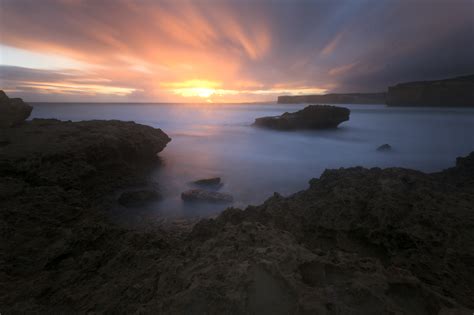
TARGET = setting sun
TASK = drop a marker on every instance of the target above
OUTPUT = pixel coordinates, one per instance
(192, 88)
(196, 91)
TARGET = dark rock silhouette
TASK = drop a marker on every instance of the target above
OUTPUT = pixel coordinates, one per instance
(138, 198)
(13, 111)
(334, 98)
(311, 117)
(86, 153)
(208, 181)
(213, 183)
(384, 147)
(201, 195)
(453, 92)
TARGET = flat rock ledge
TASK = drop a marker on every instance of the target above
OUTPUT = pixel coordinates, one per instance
(92, 154)
(311, 117)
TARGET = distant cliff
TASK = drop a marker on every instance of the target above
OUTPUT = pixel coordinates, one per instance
(350, 98)
(450, 92)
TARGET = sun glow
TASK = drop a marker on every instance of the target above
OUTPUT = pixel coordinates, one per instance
(193, 88)
(203, 92)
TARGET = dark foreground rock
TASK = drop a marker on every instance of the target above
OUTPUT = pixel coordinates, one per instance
(138, 198)
(311, 117)
(201, 195)
(50, 152)
(56, 240)
(357, 241)
(13, 111)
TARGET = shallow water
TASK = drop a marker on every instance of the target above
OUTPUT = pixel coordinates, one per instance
(217, 140)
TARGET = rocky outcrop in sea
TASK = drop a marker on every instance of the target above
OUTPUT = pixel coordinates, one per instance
(311, 117)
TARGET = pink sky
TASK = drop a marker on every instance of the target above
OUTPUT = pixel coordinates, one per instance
(188, 51)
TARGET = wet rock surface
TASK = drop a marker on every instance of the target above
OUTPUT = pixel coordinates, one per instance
(311, 117)
(13, 111)
(357, 241)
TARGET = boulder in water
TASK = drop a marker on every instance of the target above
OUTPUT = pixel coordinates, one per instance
(201, 195)
(311, 117)
(13, 111)
(213, 182)
(384, 147)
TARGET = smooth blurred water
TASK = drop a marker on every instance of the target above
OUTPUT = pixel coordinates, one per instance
(218, 140)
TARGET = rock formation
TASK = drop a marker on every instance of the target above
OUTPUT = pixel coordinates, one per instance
(384, 147)
(311, 117)
(357, 241)
(214, 181)
(347, 98)
(55, 177)
(13, 111)
(138, 198)
(201, 195)
(53, 152)
(450, 92)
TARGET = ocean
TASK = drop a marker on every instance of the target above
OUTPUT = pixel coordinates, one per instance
(218, 140)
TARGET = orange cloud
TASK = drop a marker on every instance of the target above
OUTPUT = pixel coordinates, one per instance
(237, 50)
(331, 46)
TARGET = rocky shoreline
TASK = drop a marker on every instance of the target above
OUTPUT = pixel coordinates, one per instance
(357, 241)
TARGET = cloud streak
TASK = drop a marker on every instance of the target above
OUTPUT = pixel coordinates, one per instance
(229, 50)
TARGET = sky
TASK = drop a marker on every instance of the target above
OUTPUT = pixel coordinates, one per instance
(227, 50)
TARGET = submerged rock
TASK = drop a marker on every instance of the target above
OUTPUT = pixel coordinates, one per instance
(138, 198)
(311, 117)
(384, 147)
(206, 196)
(13, 111)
